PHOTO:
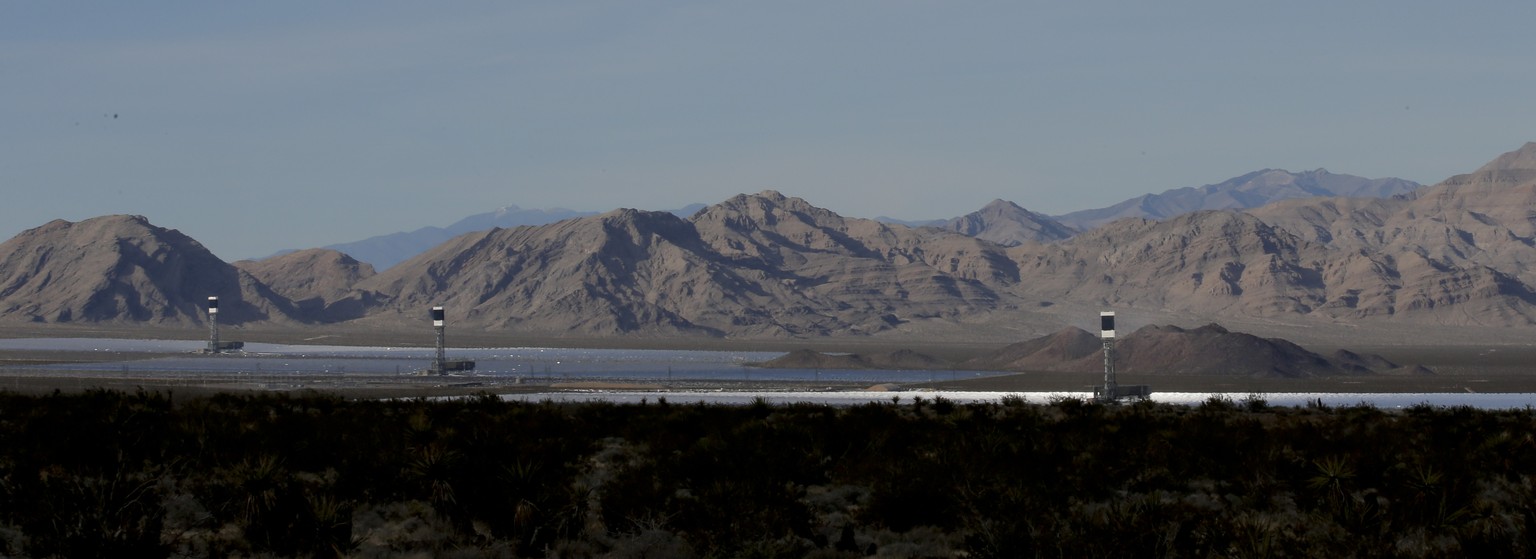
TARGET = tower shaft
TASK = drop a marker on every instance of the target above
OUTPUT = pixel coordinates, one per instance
(213, 325)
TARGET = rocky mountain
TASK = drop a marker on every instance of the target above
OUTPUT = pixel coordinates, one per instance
(1206, 262)
(1007, 224)
(754, 265)
(1465, 247)
(771, 265)
(1247, 191)
(320, 282)
(121, 268)
(1214, 263)
(384, 251)
(1207, 350)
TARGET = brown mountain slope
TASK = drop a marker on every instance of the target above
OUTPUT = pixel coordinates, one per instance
(1489, 215)
(318, 281)
(763, 265)
(1203, 262)
(769, 229)
(1223, 263)
(124, 269)
(1486, 217)
(624, 271)
(1459, 252)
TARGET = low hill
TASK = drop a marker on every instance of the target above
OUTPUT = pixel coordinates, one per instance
(1207, 350)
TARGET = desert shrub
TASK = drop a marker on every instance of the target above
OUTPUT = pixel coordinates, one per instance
(136, 474)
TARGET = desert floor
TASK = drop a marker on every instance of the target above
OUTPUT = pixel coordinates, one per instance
(1460, 365)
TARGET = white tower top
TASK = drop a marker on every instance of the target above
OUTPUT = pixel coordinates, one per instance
(1107, 325)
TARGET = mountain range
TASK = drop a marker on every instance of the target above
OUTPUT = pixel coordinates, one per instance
(1252, 190)
(766, 265)
(1000, 221)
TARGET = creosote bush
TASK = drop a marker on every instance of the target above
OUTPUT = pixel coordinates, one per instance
(138, 474)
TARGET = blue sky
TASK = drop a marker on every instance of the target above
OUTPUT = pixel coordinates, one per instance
(255, 127)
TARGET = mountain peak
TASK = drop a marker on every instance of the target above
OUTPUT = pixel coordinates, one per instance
(504, 210)
(1513, 168)
(1008, 224)
(1520, 159)
(770, 195)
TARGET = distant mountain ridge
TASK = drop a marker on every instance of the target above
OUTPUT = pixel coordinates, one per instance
(1008, 224)
(999, 221)
(1251, 190)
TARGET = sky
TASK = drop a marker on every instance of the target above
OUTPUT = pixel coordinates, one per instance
(261, 126)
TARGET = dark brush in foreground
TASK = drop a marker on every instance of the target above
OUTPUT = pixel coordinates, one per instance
(146, 475)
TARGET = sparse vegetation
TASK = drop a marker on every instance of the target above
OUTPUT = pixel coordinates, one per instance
(141, 474)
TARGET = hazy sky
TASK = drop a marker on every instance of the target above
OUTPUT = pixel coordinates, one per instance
(259, 126)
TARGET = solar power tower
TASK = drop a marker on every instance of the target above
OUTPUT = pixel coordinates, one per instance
(1111, 391)
(441, 365)
(214, 345)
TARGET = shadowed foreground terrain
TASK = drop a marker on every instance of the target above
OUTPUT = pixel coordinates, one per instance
(106, 473)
